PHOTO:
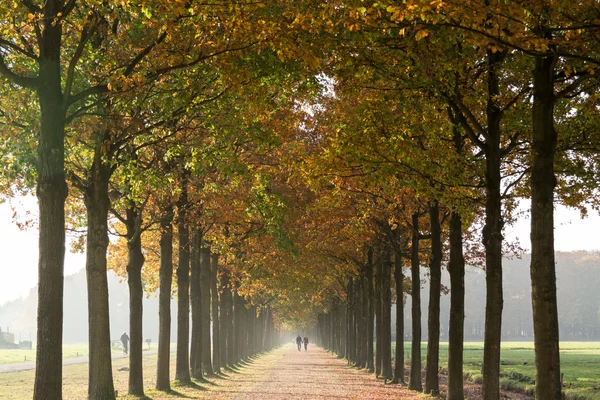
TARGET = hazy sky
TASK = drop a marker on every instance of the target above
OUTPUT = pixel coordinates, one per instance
(19, 250)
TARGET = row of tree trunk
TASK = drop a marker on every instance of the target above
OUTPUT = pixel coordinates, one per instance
(351, 328)
(239, 330)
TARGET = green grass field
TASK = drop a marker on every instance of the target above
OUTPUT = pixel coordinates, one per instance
(580, 364)
(19, 385)
(14, 356)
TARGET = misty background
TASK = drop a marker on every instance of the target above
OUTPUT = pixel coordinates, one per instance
(578, 282)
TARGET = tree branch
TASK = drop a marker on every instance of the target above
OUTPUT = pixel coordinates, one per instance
(98, 89)
(26, 82)
(86, 33)
(32, 8)
(17, 48)
(460, 118)
(134, 63)
(572, 86)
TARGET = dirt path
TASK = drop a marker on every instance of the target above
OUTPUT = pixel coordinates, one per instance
(316, 374)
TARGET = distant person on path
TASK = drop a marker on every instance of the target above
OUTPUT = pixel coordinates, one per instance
(299, 342)
(305, 343)
(125, 341)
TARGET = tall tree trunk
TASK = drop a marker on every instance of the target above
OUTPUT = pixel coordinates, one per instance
(238, 326)
(224, 320)
(350, 349)
(456, 267)
(343, 331)
(228, 305)
(379, 317)
(432, 385)
(386, 317)
(163, 380)
(182, 367)
(358, 319)
(399, 279)
(543, 274)
(216, 335)
(364, 324)
(100, 379)
(51, 193)
(265, 322)
(196, 350)
(205, 284)
(251, 331)
(136, 294)
(414, 382)
(371, 316)
(492, 237)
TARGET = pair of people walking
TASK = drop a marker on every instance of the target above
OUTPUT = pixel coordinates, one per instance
(299, 342)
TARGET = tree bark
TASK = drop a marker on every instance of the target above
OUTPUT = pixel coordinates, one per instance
(196, 350)
(238, 313)
(492, 237)
(224, 320)
(414, 382)
(163, 380)
(456, 268)
(182, 367)
(364, 324)
(386, 317)
(205, 284)
(358, 320)
(371, 316)
(51, 193)
(228, 305)
(399, 279)
(543, 274)
(136, 294)
(432, 385)
(100, 379)
(215, 314)
(351, 340)
(379, 317)
(251, 331)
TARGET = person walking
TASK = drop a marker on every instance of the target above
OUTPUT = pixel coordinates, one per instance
(125, 341)
(305, 343)
(299, 342)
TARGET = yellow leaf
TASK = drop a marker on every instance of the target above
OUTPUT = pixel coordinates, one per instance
(422, 34)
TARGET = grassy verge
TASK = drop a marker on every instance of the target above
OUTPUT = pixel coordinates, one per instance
(19, 385)
(580, 363)
(14, 356)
